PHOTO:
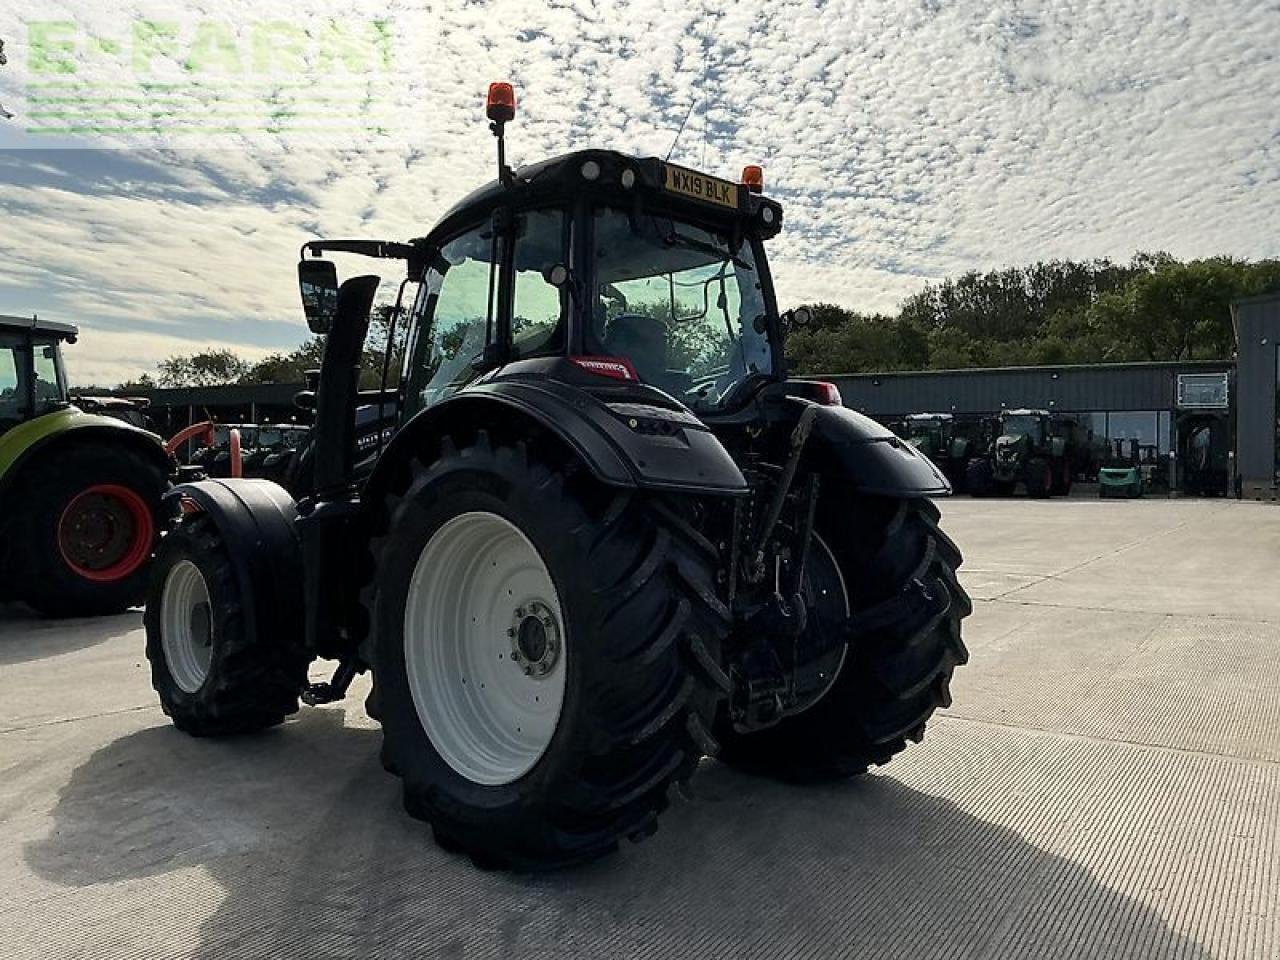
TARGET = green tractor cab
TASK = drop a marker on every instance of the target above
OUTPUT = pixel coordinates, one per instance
(606, 535)
(942, 439)
(80, 492)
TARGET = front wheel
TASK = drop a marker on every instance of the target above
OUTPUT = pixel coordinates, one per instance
(900, 571)
(216, 672)
(545, 655)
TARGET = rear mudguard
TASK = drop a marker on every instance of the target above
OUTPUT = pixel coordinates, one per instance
(21, 445)
(624, 444)
(257, 521)
(860, 455)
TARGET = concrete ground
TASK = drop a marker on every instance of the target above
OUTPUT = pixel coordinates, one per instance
(1107, 784)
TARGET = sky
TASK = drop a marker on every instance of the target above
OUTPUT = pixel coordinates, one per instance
(166, 161)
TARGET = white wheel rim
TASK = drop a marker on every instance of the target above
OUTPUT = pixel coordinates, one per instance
(488, 693)
(186, 626)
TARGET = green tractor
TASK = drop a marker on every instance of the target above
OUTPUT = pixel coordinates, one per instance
(606, 534)
(940, 438)
(1036, 448)
(80, 493)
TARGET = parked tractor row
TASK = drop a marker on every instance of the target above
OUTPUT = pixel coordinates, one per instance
(1037, 450)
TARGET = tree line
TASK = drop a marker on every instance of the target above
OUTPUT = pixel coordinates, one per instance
(1155, 307)
(217, 368)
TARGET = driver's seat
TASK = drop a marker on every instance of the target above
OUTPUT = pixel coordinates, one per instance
(643, 341)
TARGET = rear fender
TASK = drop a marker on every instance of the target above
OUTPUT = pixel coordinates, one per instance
(860, 455)
(257, 521)
(48, 434)
(623, 444)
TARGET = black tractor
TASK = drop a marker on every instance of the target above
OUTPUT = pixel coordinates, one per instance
(943, 440)
(608, 536)
(1030, 447)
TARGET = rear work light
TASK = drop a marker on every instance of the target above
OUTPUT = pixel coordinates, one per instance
(618, 368)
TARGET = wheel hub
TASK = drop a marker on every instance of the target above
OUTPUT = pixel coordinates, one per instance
(105, 532)
(186, 626)
(535, 639)
(485, 648)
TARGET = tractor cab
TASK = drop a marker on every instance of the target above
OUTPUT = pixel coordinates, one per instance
(605, 271)
(32, 380)
(1032, 424)
(931, 433)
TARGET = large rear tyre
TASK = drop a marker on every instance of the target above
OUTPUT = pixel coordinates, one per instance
(900, 570)
(86, 525)
(215, 672)
(545, 654)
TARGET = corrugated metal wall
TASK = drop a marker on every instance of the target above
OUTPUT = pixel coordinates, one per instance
(1113, 387)
(1257, 323)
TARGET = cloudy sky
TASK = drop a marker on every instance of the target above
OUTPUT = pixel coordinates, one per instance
(167, 160)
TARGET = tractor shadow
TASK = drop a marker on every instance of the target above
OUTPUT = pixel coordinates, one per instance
(304, 834)
(27, 636)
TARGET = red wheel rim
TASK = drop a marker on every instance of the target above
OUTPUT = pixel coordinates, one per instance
(105, 532)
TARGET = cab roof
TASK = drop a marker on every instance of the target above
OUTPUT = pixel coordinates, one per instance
(559, 179)
(34, 325)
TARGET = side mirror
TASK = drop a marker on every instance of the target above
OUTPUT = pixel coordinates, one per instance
(318, 283)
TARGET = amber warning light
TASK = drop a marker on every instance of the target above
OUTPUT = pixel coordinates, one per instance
(753, 178)
(500, 105)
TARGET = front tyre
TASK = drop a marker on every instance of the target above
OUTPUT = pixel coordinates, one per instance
(215, 672)
(545, 653)
(900, 571)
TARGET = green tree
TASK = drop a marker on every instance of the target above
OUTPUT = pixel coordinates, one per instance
(205, 368)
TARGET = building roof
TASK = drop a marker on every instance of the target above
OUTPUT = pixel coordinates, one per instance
(1189, 365)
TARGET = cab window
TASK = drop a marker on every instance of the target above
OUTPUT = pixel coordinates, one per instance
(449, 319)
(49, 388)
(452, 308)
(683, 304)
(11, 393)
(537, 310)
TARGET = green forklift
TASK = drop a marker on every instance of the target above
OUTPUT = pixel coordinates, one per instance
(80, 492)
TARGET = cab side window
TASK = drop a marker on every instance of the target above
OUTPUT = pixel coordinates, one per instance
(450, 316)
(537, 312)
(11, 394)
(48, 378)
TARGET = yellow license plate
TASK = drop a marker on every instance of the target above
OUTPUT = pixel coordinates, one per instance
(690, 183)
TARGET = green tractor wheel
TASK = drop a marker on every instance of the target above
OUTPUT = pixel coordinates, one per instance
(84, 524)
